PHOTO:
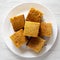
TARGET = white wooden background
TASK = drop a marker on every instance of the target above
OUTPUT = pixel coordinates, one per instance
(54, 5)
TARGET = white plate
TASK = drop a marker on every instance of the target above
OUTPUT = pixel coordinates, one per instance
(7, 29)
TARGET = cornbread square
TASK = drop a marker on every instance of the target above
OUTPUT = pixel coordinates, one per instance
(34, 15)
(31, 29)
(18, 38)
(17, 22)
(46, 29)
(36, 44)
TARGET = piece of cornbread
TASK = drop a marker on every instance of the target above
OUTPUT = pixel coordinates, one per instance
(36, 44)
(46, 29)
(17, 22)
(34, 15)
(31, 29)
(18, 38)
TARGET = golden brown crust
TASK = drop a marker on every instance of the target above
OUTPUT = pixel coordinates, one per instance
(18, 38)
(17, 22)
(36, 44)
(31, 29)
(46, 29)
(34, 15)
